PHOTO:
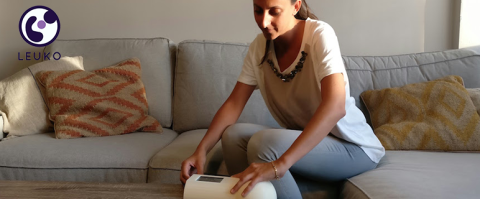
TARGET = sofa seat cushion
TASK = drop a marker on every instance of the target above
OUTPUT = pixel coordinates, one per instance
(165, 166)
(43, 153)
(418, 174)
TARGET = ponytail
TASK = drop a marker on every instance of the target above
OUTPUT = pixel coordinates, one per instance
(304, 13)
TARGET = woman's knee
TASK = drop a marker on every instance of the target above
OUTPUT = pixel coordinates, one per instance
(240, 132)
(233, 133)
(265, 146)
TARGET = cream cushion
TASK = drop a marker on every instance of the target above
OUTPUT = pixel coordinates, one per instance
(21, 103)
(475, 96)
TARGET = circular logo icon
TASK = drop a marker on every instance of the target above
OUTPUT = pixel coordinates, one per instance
(39, 26)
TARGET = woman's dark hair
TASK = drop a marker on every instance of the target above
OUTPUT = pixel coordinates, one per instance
(304, 13)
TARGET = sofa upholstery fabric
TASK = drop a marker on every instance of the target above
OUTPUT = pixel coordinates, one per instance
(165, 165)
(31, 156)
(205, 75)
(419, 174)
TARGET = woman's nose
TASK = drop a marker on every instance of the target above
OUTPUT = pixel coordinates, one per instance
(267, 19)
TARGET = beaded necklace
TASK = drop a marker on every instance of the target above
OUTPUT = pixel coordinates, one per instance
(291, 75)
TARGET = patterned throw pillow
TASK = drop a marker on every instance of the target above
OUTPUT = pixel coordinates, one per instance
(109, 101)
(434, 115)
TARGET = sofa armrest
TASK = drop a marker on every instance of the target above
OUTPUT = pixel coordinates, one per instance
(1, 127)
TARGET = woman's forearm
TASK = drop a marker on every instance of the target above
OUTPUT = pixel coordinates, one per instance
(322, 122)
(227, 114)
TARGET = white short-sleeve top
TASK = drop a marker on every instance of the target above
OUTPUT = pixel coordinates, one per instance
(294, 103)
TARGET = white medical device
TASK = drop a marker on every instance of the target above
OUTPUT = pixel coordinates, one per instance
(218, 187)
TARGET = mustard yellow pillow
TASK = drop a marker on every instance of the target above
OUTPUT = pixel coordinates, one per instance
(433, 115)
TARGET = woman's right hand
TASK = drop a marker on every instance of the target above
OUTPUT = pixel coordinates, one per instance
(193, 164)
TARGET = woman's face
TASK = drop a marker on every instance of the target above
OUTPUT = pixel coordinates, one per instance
(274, 17)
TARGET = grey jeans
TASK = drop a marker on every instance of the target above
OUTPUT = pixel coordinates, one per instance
(333, 159)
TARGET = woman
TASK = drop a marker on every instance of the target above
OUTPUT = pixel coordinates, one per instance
(297, 65)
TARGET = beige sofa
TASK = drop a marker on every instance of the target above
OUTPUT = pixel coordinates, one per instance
(188, 82)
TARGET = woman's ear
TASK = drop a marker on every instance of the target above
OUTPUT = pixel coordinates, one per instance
(298, 5)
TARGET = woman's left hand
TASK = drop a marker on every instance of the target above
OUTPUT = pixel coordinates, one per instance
(257, 172)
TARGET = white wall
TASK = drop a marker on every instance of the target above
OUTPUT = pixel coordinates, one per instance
(364, 27)
(440, 29)
(375, 27)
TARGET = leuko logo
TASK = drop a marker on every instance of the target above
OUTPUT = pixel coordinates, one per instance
(39, 26)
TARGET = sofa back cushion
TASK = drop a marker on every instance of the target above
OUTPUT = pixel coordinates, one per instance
(205, 75)
(378, 72)
(157, 56)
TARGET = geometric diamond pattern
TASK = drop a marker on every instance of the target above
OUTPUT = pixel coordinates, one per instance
(455, 105)
(112, 117)
(109, 101)
(433, 115)
(93, 79)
